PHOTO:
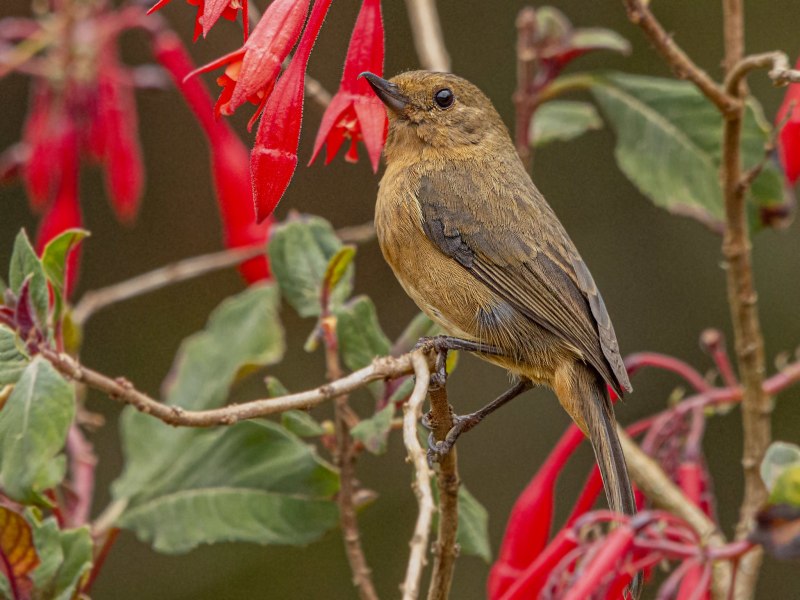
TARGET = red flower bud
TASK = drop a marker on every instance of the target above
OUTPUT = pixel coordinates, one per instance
(789, 138)
(274, 156)
(355, 113)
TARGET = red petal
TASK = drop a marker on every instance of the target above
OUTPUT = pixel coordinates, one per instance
(333, 114)
(212, 11)
(530, 520)
(158, 6)
(615, 547)
(372, 119)
(274, 156)
(267, 48)
(789, 138)
(229, 58)
(366, 49)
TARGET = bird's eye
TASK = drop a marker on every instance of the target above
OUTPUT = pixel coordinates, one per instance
(444, 98)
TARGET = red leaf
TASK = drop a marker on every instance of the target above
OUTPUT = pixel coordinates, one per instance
(274, 157)
(228, 158)
(17, 552)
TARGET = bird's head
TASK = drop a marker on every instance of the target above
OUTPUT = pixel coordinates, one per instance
(437, 110)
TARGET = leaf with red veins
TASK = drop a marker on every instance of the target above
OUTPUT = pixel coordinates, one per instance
(18, 556)
(789, 138)
(250, 71)
(355, 113)
(274, 156)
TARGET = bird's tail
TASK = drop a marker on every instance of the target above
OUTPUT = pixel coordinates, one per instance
(592, 410)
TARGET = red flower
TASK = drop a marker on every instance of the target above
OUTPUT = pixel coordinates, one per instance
(274, 156)
(228, 159)
(789, 138)
(355, 112)
(113, 138)
(251, 71)
(209, 12)
(64, 212)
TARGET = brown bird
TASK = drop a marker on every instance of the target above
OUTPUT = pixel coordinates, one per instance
(479, 249)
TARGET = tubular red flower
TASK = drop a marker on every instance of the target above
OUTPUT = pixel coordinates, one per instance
(355, 113)
(209, 12)
(48, 134)
(615, 547)
(64, 213)
(228, 159)
(274, 156)
(522, 585)
(531, 518)
(251, 71)
(789, 138)
(113, 139)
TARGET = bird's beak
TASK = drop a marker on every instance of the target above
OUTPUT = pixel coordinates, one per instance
(387, 91)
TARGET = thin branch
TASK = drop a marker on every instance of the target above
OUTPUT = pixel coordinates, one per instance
(525, 94)
(634, 362)
(317, 92)
(683, 66)
(445, 549)
(777, 62)
(95, 300)
(123, 391)
(412, 411)
(427, 32)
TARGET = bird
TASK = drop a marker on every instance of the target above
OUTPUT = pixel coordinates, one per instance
(477, 247)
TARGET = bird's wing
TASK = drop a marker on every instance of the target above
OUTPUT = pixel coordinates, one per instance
(505, 234)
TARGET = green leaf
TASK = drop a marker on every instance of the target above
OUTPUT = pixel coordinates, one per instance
(12, 360)
(778, 458)
(337, 268)
(205, 368)
(24, 263)
(374, 432)
(76, 544)
(180, 522)
(597, 38)
(361, 338)
(301, 423)
(253, 481)
(786, 489)
(563, 120)
(33, 429)
(274, 387)
(54, 256)
(669, 144)
(66, 557)
(473, 524)
(300, 251)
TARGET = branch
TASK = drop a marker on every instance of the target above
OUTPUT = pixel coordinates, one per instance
(445, 549)
(525, 94)
(422, 483)
(123, 391)
(777, 62)
(188, 268)
(427, 32)
(683, 66)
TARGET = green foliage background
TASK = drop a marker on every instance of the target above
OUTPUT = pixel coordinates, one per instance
(659, 274)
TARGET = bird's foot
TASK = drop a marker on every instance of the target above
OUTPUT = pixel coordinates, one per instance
(441, 345)
(438, 449)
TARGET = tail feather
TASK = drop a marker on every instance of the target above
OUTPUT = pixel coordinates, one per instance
(601, 427)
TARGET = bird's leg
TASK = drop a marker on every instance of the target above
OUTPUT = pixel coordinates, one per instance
(442, 344)
(463, 423)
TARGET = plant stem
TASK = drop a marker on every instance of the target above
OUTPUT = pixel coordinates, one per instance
(426, 30)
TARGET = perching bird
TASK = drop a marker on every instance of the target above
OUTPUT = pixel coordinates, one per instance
(477, 247)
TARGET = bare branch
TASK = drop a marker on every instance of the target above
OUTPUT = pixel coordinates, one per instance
(777, 62)
(427, 32)
(124, 392)
(683, 66)
(95, 300)
(448, 482)
(317, 92)
(525, 94)
(422, 479)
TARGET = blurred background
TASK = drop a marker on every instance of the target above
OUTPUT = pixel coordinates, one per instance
(660, 275)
